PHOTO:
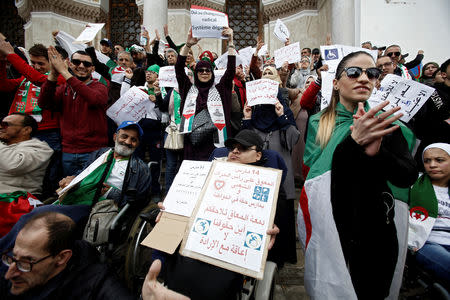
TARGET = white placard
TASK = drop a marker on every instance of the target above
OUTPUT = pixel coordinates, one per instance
(281, 31)
(246, 55)
(290, 53)
(89, 33)
(132, 106)
(186, 187)
(207, 22)
(333, 54)
(410, 95)
(326, 88)
(263, 51)
(218, 74)
(231, 222)
(222, 61)
(167, 77)
(261, 91)
(101, 159)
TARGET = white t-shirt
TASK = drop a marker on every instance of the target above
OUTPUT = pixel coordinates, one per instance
(117, 175)
(443, 218)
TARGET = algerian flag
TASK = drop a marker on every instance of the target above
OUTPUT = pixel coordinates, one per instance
(326, 273)
(423, 212)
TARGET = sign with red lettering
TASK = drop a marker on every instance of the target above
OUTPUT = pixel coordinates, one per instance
(262, 91)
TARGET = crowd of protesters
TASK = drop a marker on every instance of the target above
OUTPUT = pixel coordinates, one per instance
(54, 125)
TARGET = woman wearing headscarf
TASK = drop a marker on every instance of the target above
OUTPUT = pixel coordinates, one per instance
(301, 71)
(427, 73)
(429, 222)
(203, 103)
(275, 124)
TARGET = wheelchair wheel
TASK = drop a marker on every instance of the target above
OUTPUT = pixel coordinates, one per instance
(265, 288)
(138, 258)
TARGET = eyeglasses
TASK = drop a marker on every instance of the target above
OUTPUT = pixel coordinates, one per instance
(204, 70)
(390, 54)
(6, 124)
(78, 62)
(21, 265)
(240, 148)
(355, 72)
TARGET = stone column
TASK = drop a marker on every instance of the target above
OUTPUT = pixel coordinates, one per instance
(343, 22)
(155, 16)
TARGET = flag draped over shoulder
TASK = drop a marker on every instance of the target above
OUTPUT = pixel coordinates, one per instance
(423, 211)
(85, 192)
(326, 273)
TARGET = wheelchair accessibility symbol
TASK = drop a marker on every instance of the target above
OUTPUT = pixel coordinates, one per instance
(261, 193)
(331, 54)
(201, 226)
(253, 240)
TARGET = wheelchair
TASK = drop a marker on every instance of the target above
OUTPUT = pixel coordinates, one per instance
(420, 284)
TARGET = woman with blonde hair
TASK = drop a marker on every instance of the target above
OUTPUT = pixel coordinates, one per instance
(347, 207)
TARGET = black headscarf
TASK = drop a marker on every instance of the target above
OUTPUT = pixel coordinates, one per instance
(203, 87)
(264, 117)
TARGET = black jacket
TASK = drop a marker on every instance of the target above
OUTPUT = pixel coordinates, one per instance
(363, 209)
(136, 183)
(84, 278)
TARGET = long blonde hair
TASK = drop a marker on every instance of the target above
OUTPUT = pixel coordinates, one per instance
(328, 118)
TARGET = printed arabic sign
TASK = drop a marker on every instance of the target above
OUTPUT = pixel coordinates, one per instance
(262, 91)
(167, 77)
(228, 227)
(207, 22)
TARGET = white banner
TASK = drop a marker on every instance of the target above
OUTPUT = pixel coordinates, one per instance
(290, 53)
(333, 54)
(132, 106)
(261, 91)
(207, 22)
(281, 31)
(218, 74)
(89, 33)
(263, 51)
(222, 61)
(246, 55)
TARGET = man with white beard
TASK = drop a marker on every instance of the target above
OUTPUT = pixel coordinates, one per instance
(127, 177)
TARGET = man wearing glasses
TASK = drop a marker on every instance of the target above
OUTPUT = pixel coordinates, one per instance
(82, 102)
(47, 263)
(394, 52)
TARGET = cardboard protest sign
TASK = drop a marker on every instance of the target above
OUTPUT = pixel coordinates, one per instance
(132, 106)
(167, 77)
(261, 91)
(207, 22)
(186, 187)
(281, 31)
(89, 33)
(326, 88)
(410, 95)
(333, 54)
(290, 53)
(228, 227)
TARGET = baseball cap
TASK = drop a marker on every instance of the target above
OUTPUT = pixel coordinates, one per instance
(126, 124)
(246, 138)
(106, 41)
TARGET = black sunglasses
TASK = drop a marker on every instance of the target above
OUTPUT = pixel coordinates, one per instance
(78, 62)
(355, 72)
(204, 70)
(390, 54)
(241, 148)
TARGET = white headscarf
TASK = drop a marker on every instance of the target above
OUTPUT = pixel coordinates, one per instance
(443, 146)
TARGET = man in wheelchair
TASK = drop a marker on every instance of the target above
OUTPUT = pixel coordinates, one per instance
(200, 280)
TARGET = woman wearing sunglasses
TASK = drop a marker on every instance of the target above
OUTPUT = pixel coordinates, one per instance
(347, 206)
(205, 108)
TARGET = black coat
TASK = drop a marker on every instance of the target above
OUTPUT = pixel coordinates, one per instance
(363, 209)
(84, 278)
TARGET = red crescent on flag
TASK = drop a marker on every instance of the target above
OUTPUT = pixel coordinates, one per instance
(418, 209)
